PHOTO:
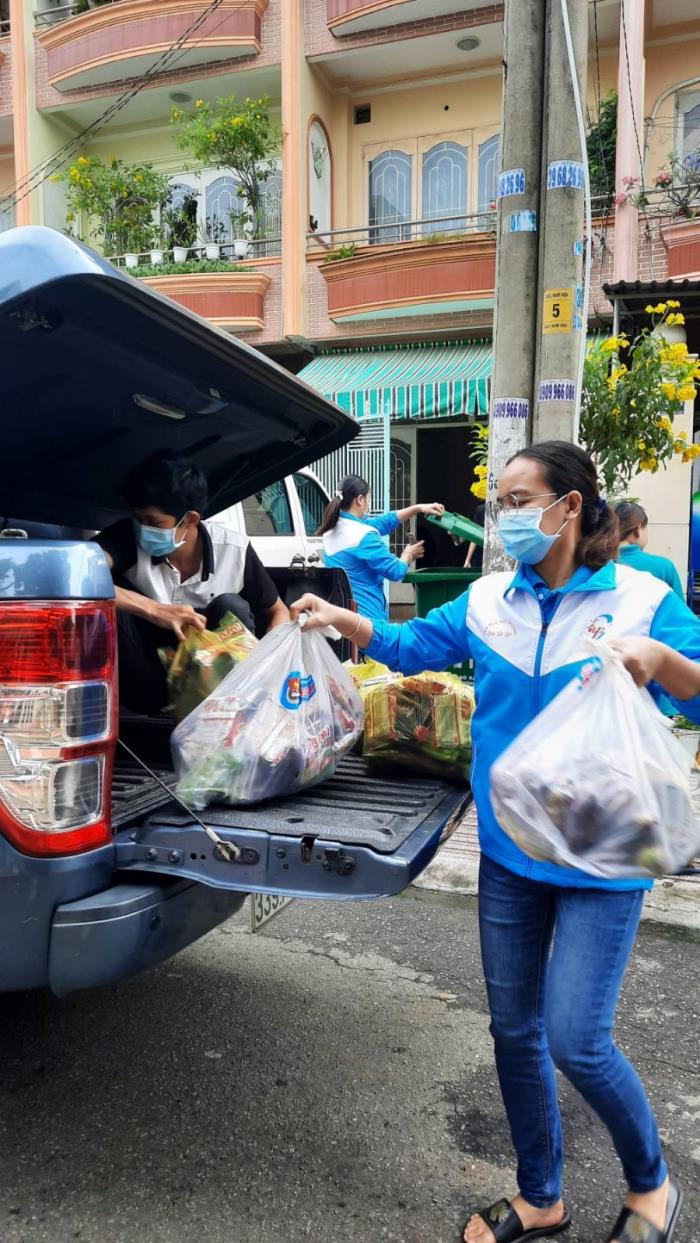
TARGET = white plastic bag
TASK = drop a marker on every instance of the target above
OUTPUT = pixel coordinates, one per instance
(278, 722)
(597, 781)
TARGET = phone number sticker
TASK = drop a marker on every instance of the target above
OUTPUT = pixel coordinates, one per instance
(522, 222)
(565, 175)
(511, 182)
(510, 408)
(556, 390)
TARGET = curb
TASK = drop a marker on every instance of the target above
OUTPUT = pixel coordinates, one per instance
(673, 902)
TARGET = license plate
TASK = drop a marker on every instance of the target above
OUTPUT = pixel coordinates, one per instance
(264, 907)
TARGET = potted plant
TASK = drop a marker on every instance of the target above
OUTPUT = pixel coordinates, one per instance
(240, 137)
(181, 227)
(157, 252)
(241, 224)
(117, 203)
(214, 237)
(632, 392)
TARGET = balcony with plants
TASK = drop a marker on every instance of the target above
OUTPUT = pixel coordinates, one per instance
(429, 245)
(219, 265)
(90, 43)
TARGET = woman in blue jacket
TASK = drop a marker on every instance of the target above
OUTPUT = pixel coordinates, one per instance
(352, 541)
(555, 941)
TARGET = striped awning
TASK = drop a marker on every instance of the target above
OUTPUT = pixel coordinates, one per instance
(406, 382)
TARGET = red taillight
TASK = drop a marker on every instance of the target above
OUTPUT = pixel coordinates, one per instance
(58, 725)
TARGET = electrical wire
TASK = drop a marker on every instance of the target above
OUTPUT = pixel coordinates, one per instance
(46, 168)
(578, 105)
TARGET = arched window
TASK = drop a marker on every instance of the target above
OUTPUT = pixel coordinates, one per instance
(390, 197)
(222, 202)
(689, 118)
(444, 188)
(272, 214)
(179, 191)
(489, 163)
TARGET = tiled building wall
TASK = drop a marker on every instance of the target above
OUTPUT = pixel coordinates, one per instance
(409, 327)
(5, 77)
(320, 41)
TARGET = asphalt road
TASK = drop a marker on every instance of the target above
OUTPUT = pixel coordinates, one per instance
(330, 1079)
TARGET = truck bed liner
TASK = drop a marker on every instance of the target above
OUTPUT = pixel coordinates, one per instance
(356, 807)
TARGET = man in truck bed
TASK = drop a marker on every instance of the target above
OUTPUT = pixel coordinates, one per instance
(173, 569)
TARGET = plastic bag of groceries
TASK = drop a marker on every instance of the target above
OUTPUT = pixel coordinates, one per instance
(421, 722)
(278, 723)
(597, 781)
(202, 661)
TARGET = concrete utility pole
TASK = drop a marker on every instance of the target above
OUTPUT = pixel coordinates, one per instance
(561, 312)
(515, 323)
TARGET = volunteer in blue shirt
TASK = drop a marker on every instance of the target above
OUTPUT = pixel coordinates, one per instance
(555, 941)
(634, 537)
(352, 541)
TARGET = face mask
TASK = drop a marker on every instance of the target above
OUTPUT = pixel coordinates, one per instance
(156, 542)
(523, 538)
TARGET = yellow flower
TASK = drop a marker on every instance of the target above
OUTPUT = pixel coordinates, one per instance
(679, 319)
(660, 308)
(615, 411)
(665, 423)
(481, 471)
(199, 103)
(83, 160)
(687, 392)
(671, 304)
(691, 453)
(610, 345)
(669, 391)
(479, 488)
(649, 310)
(682, 435)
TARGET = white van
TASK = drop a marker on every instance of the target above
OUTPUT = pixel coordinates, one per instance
(281, 520)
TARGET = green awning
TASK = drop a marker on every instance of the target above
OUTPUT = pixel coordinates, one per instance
(406, 382)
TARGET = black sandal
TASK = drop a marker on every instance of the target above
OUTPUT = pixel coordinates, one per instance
(506, 1226)
(631, 1227)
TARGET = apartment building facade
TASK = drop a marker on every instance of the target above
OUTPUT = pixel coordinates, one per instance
(377, 268)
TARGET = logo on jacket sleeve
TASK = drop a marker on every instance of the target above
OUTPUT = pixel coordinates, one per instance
(297, 690)
(597, 627)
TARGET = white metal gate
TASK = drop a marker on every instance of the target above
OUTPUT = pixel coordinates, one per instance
(367, 456)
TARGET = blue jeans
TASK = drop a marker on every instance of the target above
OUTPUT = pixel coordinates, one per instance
(554, 960)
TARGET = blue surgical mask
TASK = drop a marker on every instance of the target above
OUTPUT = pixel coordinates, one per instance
(155, 541)
(523, 538)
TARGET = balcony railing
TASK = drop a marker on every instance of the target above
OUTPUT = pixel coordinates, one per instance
(258, 248)
(61, 12)
(385, 232)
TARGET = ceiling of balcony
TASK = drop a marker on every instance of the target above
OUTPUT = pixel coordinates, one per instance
(410, 57)
(393, 14)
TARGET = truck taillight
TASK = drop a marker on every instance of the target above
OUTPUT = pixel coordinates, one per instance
(58, 724)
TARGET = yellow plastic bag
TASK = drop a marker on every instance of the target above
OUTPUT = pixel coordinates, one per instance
(202, 661)
(421, 722)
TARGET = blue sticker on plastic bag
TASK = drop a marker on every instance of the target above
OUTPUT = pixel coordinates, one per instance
(522, 222)
(510, 408)
(565, 175)
(297, 690)
(511, 182)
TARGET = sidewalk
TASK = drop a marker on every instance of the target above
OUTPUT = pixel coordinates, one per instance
(674, 901)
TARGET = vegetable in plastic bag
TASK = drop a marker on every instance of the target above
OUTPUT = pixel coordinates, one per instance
(597, 781)
(202, 661)
(278, 723)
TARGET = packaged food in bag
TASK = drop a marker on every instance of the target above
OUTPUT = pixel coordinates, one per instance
(203, 659)
(597, 781)
(422, 723)
(277, 723)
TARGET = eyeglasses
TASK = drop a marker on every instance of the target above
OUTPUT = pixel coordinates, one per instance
(510, 504)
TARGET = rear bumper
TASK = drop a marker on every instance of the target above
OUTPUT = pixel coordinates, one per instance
(129, 928)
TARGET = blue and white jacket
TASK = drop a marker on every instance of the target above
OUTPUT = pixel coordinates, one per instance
(525, 641)
(356, 546)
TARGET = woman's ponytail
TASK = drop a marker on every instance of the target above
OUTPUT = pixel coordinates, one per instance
(600, 534)
(348, 491)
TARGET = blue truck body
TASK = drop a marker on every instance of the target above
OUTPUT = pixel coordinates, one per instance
(98, 371)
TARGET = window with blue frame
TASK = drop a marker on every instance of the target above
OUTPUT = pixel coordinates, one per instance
(390, 197)
(489, 164)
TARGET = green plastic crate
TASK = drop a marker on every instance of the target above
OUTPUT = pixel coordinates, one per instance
(434, 588)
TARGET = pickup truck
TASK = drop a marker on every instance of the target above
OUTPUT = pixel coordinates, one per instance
(102, 874)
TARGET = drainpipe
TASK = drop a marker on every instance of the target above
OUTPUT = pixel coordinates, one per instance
(630, 109)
